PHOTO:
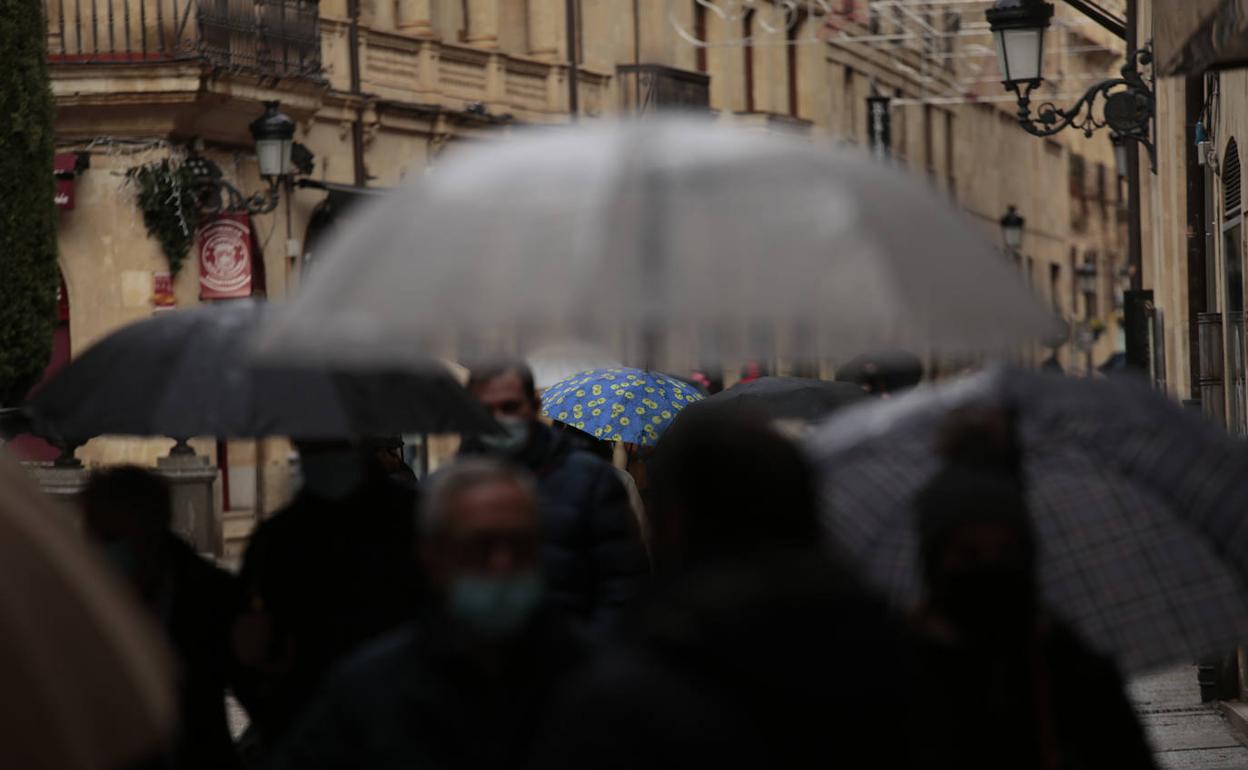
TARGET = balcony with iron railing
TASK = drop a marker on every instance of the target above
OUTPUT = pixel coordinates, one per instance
(270, 38)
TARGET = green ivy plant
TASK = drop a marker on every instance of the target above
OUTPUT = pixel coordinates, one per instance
(28, 268)
(166, 196)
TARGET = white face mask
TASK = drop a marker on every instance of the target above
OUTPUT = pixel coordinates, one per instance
(514, 438)
(332, 474)
(495, 606)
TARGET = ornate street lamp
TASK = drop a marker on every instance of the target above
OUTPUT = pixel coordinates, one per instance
(1012, 225)
(1086, 274)
(274, 135)
(1018, 28)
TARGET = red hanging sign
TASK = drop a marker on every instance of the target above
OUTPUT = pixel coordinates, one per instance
(64, 168)
(163, 297)
(225, 256)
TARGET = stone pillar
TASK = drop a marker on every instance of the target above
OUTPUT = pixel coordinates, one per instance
(546, 29)
(495, 79)
(415, 18)
(62, 483)
(190, 478)
(482, 23)
(383, 17)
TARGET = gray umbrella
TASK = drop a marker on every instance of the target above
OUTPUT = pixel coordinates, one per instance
(187, 373)
(1138, 506)
(648, 236)
(782, 398)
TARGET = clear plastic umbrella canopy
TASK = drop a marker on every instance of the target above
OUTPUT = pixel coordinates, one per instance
(557, 362)
(661, 240)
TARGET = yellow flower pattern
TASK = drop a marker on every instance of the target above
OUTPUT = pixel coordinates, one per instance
(619, 404)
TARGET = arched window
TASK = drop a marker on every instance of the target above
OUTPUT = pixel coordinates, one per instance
(1233, 262)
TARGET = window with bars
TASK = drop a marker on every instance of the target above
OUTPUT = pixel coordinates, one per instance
(279, 38)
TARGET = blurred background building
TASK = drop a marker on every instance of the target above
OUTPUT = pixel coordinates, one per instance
(1195, 256)
(377, 89)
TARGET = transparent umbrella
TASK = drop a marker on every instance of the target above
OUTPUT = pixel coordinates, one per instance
(661, 240)
(557, 362)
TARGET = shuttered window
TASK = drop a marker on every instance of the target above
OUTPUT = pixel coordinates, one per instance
(1232, 190)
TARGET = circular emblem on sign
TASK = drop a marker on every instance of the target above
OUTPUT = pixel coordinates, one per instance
(226, 254)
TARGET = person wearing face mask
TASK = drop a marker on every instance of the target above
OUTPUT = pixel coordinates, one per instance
(127, 512)
(330, 571)
(593, 558)
(1006, 683)
(468, 684)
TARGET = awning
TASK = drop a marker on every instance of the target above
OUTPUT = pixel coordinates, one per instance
(65, 168)
(1199, 35)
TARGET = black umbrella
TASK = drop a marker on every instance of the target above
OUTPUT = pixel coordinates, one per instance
(189, 373)
(783, 398)
(882, 371)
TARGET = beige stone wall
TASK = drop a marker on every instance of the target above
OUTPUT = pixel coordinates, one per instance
(422, 62)
(1165, 201)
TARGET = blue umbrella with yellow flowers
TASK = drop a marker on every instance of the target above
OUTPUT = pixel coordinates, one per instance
(619, 404)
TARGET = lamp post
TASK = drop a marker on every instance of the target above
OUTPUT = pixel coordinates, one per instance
(1018, 30)
(1127, 108)
(274, 136)
(1086, 275)
(1012, 225)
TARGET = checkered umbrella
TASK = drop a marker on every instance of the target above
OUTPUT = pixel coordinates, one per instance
(1141, 510)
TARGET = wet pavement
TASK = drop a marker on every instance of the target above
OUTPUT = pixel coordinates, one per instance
(1186, 734)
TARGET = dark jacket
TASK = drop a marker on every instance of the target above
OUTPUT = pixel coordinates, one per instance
(593, 557)
(1058, 705)
(414, 700)
(770, 661)
(328, 576)
(195, 609)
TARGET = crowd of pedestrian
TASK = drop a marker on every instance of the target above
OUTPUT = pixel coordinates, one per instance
(524, 607)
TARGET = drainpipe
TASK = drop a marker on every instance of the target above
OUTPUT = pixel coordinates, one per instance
(1194, 99)
(1138, 352)
(573, 76)
(357, 126)
(637, 56)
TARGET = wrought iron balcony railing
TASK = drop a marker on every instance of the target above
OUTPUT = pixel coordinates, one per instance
(655, 87)
(279, 38)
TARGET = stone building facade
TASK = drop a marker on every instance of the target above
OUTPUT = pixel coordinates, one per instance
(378, 88)
(1193, 243)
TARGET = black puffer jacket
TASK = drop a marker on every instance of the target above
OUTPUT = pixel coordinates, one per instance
(593, 556)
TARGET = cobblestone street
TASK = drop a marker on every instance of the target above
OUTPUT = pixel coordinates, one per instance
(1186, 734)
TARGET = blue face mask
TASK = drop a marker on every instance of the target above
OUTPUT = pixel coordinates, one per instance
(495, 606)
(513, 439)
